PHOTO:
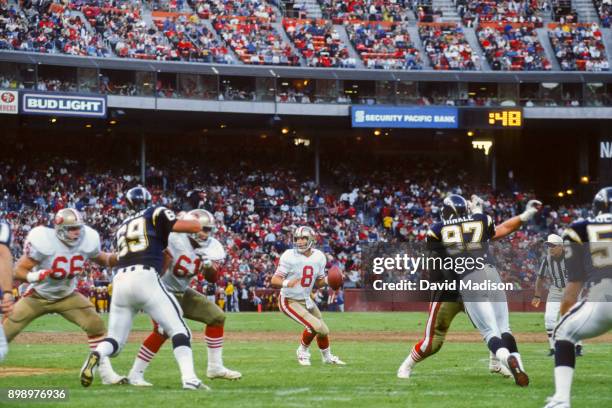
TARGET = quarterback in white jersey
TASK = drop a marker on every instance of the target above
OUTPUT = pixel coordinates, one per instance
(52, 260)
(185, 257)
(299, 269)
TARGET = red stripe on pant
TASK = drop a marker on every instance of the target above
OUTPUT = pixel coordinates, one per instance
(418, 352)
(293, 314)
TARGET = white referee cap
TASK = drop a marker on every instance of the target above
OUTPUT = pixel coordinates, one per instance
(554, 239)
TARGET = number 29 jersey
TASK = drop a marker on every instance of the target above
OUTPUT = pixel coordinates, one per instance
(142, 238)
(294, 265)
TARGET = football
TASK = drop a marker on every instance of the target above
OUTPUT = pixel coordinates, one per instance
(335, 277)
(211, 274)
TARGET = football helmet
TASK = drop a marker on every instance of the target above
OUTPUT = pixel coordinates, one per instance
(138, 198)
(304, 232)
(65, 222)
(454, 206)
(602, 203)
(207, 221)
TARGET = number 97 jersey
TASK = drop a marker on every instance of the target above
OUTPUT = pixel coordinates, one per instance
(294, 265)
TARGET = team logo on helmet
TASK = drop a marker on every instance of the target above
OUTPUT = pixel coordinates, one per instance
(138, 198)
(304, 232)
(454, 206)
(602, 203)
(67, 221)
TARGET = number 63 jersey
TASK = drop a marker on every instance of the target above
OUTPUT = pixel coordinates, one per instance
(142, 238)
(65, 263)
(294, 265)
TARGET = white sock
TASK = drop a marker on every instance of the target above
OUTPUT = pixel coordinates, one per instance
(502, 354)
(184, 358)
(326, 352)
(139, 367)
(409, 362)
(303, 348)
(563, 382)
(105, 349)
(215, 357)
(551, 341)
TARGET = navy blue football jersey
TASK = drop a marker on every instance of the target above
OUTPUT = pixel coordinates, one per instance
(142, 238)
(5, 234)
(589, 249)
(462, 237)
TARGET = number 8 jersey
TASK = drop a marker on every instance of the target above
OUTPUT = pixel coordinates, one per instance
(294, 265)
(65, 263)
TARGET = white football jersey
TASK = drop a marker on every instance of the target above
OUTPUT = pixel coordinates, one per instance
(186, 260)
(294, 265)
(66, 262)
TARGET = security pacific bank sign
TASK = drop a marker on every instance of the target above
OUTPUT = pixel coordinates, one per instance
(63, 105)
(365, 116)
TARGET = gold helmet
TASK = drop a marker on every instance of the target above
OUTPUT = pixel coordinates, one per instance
(304, 232)
(66, 220)
(207, 222)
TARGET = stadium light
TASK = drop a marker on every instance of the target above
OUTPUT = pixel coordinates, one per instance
(470, 133)
(53, 120)
(222, 126)
(569, 191)
(285, 130)
(482, 145)
(584, 179)
(377, 132)
(560, 194)
(113, 122)
(88, 125)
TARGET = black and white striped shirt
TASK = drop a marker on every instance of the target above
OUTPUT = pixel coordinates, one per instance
(555, 269)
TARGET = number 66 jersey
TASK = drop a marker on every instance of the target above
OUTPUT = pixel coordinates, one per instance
(294, 265)
(65, 263)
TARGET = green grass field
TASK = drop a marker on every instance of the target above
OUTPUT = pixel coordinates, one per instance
(456, 377)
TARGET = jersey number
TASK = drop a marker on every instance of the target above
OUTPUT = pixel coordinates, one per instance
(71, 268)
(132, 237)
(182, 271)
(307, 274)
(453, 234)
(601, 251)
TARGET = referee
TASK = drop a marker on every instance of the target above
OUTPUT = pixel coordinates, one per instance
(552, 268)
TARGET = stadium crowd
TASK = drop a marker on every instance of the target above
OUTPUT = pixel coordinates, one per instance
(447, 48)
(256, 211)
(579, 47)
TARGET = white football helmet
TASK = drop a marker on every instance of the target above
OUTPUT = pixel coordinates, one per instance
(65, 221)
(207, 222)
(304, 232)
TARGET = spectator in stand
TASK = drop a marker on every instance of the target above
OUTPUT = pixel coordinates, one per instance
(447, 48)
(579, 47)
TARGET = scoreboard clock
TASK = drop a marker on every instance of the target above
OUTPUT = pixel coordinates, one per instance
(492, 118)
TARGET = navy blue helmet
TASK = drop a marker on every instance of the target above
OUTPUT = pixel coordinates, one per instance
(138, 198)
(602, 203)
(454, 206)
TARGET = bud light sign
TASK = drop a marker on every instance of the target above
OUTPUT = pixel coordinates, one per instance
(364, 116)
(63, 105)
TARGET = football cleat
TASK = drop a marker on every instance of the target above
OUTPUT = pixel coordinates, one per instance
(331, 359)
(520, 377)
(303, 357)
(195, 384)
(139, 382)
(495, 367)
(224, 373)
(551, 402)
(404, 371)
(89, 368)
(551, 352)
(579, 352)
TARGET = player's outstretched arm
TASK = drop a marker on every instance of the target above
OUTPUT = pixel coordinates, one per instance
(190, 226)
(509, 226)
(570, 296)
(106, 259)
(279, 281)
(23, 267)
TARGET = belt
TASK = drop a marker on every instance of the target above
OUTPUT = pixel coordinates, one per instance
(134, 268)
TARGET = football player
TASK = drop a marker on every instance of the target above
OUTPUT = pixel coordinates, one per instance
(140, 241)
(6, 281)
(446, 305)
(589, 261)
(186, 255)
(299, 269)
(52, 260)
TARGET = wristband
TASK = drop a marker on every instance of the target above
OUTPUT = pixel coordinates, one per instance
(285, 283)
(33, 277)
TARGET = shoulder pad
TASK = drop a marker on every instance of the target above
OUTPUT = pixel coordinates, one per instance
(91, 240)
(41, 239)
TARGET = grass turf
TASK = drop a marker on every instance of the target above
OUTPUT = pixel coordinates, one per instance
(456, 377)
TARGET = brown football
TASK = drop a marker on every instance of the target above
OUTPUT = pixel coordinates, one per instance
(334, 277)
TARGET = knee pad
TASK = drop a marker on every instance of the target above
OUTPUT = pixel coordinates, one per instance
(218, 320)
(321, 329)
(180, 339)
(116, 346)
(95, 327)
